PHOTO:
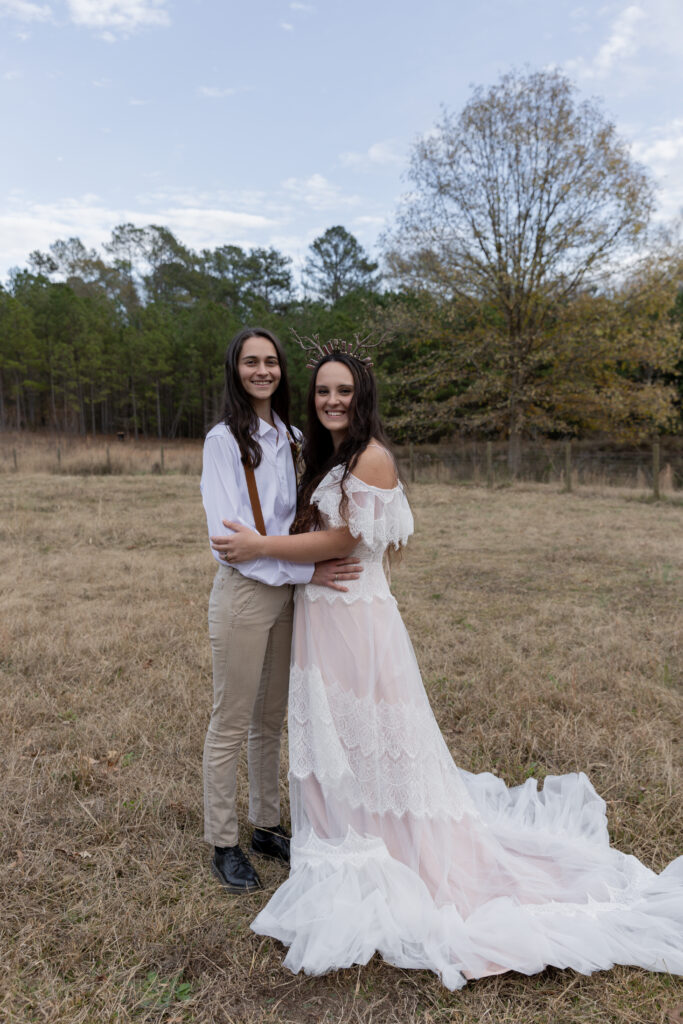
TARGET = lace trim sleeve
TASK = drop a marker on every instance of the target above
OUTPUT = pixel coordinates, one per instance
(376, 516)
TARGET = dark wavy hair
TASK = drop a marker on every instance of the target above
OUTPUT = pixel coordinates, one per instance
(238, 412)
(318, 452)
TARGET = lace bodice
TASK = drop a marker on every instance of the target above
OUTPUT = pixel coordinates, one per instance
(378, 517)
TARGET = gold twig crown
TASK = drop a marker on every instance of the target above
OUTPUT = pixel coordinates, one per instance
(358, 348)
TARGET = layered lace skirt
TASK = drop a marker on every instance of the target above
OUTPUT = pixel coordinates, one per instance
(396, 850)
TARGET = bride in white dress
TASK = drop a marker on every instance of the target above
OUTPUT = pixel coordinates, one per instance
(394, 848)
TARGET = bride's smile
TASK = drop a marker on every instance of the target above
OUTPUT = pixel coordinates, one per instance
(333, 398)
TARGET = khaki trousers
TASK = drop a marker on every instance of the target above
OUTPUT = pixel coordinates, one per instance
(250, 625)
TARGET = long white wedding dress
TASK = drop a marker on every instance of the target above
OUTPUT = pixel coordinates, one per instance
(397, 850)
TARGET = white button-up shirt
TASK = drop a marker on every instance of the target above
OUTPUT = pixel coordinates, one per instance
(225, 496)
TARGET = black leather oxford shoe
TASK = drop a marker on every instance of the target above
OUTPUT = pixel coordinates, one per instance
(234, 870)
(272, 843)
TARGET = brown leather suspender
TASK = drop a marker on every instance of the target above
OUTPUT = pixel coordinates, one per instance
(253, 489)
(254, 499)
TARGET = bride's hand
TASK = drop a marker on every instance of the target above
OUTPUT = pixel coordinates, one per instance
(241, 546)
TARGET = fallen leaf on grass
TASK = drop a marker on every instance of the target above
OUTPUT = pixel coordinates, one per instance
(74, 855)
(18, 860)
(675, 1015)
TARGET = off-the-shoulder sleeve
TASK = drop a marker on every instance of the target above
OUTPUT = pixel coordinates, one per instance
(377, 517)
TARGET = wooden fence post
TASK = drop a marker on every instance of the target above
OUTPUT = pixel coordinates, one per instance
(59, 459)
(161, 461)
(489, 464)
(108, 460)
(655, 470)
(567, 465)
(411, 456)
(14, 457)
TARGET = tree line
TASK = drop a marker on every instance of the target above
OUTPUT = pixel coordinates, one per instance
(523, 292)
(133, 338)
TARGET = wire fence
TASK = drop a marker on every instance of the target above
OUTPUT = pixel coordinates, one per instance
(657, 467)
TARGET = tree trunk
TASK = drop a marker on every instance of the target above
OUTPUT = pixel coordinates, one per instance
(514, 452)
(176, 419)
(135, 408)
(2, 405)
(514, 433)
(158, 410)
(16, 378)
(53, 401)
(81, 409)
(92, 408)
(205, 411)
(515, 421)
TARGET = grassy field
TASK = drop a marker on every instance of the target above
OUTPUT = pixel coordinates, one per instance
(548, 627)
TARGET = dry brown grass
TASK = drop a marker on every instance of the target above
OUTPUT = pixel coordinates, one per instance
(548, 627)
(73, 455)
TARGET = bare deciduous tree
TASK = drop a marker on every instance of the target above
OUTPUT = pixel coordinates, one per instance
(519, 202)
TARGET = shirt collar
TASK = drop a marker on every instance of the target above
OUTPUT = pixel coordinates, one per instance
(265, 428)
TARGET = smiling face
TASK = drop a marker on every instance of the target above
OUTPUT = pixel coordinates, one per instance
(334, 388)
(259, 371)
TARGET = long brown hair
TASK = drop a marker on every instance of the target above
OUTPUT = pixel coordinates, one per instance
(238, 412)
(319, 455)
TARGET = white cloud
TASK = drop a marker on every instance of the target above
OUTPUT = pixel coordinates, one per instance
(318, 193)
(25, 11)
(32, 225)
(623, 41)
(288, 218)
(36, 225)
(214, 92)
(286, 26)
(661, 149)
(379, 154)
(9, 76)
(201, 227)
(639, 37)
(663, 30)
(122, 16)
(307, 8)
(369, 221)
(138, 103)
(244, 200)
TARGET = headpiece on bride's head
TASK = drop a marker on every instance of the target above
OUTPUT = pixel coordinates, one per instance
(358, 348)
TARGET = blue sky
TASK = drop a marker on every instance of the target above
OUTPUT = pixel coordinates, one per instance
(265, 122)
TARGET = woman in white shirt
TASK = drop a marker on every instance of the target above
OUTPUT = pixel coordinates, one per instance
(250, 609)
